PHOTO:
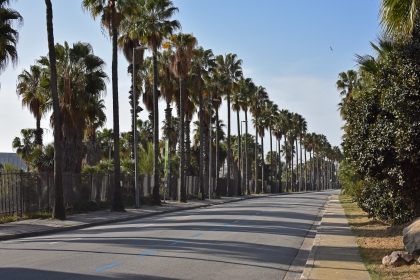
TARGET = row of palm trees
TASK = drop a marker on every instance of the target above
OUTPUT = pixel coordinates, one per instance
(71, 83)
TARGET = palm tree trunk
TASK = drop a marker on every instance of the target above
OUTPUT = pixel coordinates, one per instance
(201, 169)
(155, 186)
(216, 187)
(118, 204)
(181, 186)
(38, 131)
(256, 156)
(311, 173)
(238, 186)
(318, 187)
(168, 117)
(297, 165)
(206, 156)
(246, 154)
(292, 186)
(271, 159)
(280, 168)
(59, 211)
(306, 172)
(262, 164)
(228, 147)
(287, 167)
(188, 147)
(300, 177)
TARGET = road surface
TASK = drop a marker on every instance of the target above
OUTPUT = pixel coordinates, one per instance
(250, 239)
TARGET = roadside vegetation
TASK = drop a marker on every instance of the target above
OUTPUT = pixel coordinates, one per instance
(376, 240)
(380, 107)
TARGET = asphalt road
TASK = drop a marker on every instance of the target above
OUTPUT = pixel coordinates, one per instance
(251, 239)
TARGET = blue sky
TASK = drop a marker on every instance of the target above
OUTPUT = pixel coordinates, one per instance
(284, 45)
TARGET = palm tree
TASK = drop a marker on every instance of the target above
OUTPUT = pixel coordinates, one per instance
(247, 89)
(59, 211)
(258, 98)
(183, 46)
(262, 124)
(149, 21)
(370, 65)
(190, 109)
(95, 118)
(81, 82)
(280, 130)
(306, 141)
(346, 83)
(8, 35)
(25, 146)
(129, 48)
(110, 19)
(272, 112)
(217, 84)
(33, 96)
(202, 63)
(301, 127)
(231, 66)
(399, 16)
(236, 107)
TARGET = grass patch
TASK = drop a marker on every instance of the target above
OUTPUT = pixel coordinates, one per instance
(87, 206)
(16, 217)
(376, 240)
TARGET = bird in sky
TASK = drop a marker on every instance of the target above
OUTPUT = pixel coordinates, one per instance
(331, 48)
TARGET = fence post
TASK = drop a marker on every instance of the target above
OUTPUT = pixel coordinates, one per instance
(21, 193)
(91, 186)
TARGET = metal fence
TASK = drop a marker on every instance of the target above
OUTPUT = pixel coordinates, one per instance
(34, 192)
(25, 192)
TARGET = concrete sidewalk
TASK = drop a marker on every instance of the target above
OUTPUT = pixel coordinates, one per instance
(335, 254)
(35, 227)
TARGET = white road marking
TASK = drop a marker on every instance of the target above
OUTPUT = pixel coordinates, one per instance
(145, 225)
(64, 240)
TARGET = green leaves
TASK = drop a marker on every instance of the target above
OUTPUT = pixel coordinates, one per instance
(382, 140)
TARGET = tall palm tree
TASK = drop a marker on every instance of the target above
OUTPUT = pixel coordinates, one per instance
(280, 130)
(8, 35)
(202, 63)
(236, 97)
(308, 148)
(258, 98)
(301, 127)
(262, 125)
(129, 48)
(110, 20)
(346, 83)
(217, 83)
(272, 111)
(247, 89)
(190, 109)
(183, 46)
(150, 22)
(33, 96)
(231, 66)
(59, 211)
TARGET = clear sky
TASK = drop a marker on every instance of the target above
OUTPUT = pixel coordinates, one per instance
(284, 45)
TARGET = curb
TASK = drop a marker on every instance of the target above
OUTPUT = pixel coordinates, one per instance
(123, 219)
(308, 244)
